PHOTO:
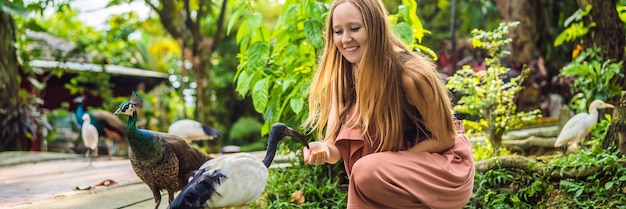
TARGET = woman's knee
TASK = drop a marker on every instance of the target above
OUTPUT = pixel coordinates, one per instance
(369, 168)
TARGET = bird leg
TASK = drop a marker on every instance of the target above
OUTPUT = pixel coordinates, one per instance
(157, 197)
(109, 144)
(88, 154)
(564, 148)
(170, 195)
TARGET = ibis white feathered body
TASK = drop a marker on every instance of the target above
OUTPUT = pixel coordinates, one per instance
(90, 137)
(232, 180)
(577, 127)
(192, 130)
(245, 180)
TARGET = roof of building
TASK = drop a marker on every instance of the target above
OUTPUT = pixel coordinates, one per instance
(112, 69)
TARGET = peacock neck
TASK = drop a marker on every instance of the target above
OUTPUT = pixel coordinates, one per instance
(79, 113)
(142, 142)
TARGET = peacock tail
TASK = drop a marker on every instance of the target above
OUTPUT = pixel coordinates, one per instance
(101, 120)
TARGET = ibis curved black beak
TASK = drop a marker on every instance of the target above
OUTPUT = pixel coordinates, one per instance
(298, 136)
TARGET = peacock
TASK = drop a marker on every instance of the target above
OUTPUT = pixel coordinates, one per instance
(162, 161)
(192, 130)
(107, 124)
(90, 138)
(232, 180)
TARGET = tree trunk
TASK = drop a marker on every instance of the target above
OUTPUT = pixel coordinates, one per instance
(523, 45)
(9, 86)
(529, 165)
(531, 146)
(183, 24)
(202, 68)
(617, 130)
(608, 34)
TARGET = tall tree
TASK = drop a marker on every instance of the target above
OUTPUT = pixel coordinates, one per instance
(608, 33)
(9, 86)
(523, 45)
(183, 20)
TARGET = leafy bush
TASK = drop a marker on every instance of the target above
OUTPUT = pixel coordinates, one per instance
(244, 131)
(21, 125)
(305, 186)
(516, 188)
(594, 78)
(486, 94)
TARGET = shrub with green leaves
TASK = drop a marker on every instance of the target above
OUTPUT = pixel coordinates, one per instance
(599, 182)
(277, 65)
(305, 186)
(486, 94)
(594, 78)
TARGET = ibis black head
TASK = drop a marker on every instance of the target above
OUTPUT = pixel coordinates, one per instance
(130, 106)
(280, 131)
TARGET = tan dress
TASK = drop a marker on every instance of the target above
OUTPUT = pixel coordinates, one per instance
(405, 179)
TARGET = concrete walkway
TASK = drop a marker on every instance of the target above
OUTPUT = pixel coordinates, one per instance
(56, 180)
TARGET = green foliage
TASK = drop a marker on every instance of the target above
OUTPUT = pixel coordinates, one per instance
(575, 28)
(14, 8)
(276, 66)
(621, 11)
(598, 189)
(486, 94)
(320, 186)
(515, 188)
(22, 125)
(594, 78)
(492, 190)
(244, 131)
(61, 120)
(409, 27)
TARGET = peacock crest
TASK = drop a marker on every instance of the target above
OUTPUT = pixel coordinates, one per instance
(130, 106)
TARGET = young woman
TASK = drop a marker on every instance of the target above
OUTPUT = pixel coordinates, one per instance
(387, 113)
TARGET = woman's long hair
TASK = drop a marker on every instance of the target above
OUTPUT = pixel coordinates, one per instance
(375, 89)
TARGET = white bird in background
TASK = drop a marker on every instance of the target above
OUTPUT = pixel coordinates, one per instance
(90, 138)
(232, 180)
(577, 127)
(192, 130)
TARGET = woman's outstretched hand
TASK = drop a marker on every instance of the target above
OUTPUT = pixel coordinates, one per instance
(317, 154)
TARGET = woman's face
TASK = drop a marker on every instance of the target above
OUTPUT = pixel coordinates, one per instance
(349, 33)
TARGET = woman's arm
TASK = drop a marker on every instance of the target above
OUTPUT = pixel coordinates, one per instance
(321, 153)
(422, 92)
(324, 151)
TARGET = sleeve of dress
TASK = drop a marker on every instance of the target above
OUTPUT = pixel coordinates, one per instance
(423, 92)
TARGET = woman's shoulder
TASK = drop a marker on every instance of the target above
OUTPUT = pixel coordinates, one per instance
(416, 67)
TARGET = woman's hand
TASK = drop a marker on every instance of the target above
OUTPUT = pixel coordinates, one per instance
(318, 153)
